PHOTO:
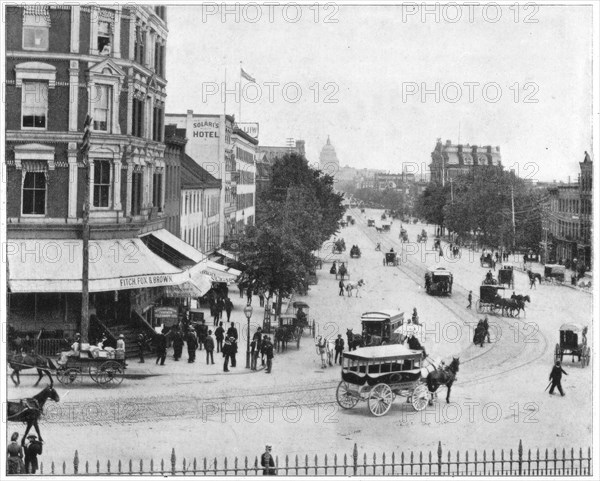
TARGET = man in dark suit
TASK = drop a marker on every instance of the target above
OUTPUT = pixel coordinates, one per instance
(161, 347)
(339, 348)
(232, 331)
(192, 344)
(555, 377)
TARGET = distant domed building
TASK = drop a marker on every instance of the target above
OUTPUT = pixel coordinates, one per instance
(328, 161)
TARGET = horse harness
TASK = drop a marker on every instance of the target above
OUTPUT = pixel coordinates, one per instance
(30, 404)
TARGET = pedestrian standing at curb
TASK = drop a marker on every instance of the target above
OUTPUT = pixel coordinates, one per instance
(249, 296)
(234, 350)
(470, 299)
(226, 354)
(177, 338)
(253, 354)
(161, 347)
(232, 331)
(339, 348)
(209, 345)
(14, 456)
(219, 335)
(141, 342)
(267, 462)
(192, 344)
(555, 377)
(269, 355)
(341, 285)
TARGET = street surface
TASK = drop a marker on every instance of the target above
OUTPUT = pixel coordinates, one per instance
(201, 411)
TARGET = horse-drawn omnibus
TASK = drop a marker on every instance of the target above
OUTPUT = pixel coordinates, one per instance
(506, 276)
(438, 281)
(554, 273)
(573, 342)
(378, 374)
(391, 259)
(379, 327)
(371, 223)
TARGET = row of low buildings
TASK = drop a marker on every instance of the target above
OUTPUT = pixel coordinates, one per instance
(165, 191)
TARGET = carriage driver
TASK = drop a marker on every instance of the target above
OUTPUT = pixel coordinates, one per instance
(74, 352)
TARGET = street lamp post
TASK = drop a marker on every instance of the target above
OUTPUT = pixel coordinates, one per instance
(248, 313)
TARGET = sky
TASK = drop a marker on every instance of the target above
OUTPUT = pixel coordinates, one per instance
(385, 82)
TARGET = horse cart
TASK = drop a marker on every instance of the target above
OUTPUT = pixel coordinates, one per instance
(486, 261)
(370, 222)
(391, 259)
(488, 301)
(554, 273)
(573, 341)
(386, 226)
(343, 223)
(301, 311)
(103, 371)
(403, 235)
(288, 332)
(506, 276)
(355, 252)
(379, 374)
(439, 282)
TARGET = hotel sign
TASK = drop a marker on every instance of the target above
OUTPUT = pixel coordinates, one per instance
(251, 128)
(205, 129)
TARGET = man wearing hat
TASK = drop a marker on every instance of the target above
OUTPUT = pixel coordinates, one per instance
(192, 344)
(339, 348)
(268, 348)
(32, 449)
(121, 342)
(226, 353)
(555, 377)
(267, 462)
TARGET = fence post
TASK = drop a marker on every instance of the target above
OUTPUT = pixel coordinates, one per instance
(173, 459)
(355, 458)
(439, 453)
(520, 456)
(76, 463)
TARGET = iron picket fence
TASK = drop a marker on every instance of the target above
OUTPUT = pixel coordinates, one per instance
(481, 463)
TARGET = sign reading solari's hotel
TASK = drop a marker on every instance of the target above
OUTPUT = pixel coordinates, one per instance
(205, 129)
(135, 281)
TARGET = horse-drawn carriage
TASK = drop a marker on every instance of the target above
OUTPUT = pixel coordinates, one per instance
(287, 331)
(486, 261)
(386, 226)
(489, 297)
(554, 273)
(370, 222)
(506, 276)
(339, 246)
(103, 371)
(301, 311)
(391, 258)
(355, 252)
(378, 328)
(573, 341)
(379, 374)
(438, 281)
(422, 237)
(403, 235)
(343, 223)
(342, 270)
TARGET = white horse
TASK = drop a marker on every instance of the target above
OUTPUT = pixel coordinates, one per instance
(351, 286)
(325, 349)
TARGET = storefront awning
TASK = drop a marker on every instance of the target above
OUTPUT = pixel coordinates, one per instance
(55, 265)
(172, 248)
(227, 254)
(221, 273)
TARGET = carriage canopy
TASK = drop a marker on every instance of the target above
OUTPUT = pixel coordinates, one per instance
(439, 274)
(572, 326)
(388, 352)
(487, 292)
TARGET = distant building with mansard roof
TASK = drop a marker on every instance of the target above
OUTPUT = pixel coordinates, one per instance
(450, 160)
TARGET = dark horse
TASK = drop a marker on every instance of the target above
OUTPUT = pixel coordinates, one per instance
(21, 361)
(445, 376)
(520, 302)
(342, 271)
(532, 278)
(29, 410)
(354, 340)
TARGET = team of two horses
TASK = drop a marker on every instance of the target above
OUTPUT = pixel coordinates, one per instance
(512, 306)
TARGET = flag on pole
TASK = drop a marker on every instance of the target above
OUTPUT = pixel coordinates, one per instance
(247, 76)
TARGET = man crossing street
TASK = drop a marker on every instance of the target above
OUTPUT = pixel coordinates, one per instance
(555, 377)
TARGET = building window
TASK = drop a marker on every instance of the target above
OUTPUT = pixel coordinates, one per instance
(101, 183)
(136, 193)
(102, 108)
(137, 118)
(34, 105)
(139, 45)
(36, 27)
(34, 193)
(104, 38)
(157, 191)
(157, 124)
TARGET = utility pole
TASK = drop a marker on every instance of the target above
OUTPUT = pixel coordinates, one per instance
(512, 200)
(85, 277)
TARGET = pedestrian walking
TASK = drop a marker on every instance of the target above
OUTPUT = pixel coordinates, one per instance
(249, 296)
(32, 449)
(192, 344)
(415, 316)
(141, 343)
(339, 349)
(177, 339)
(555, 377)
(220, 307)
(14, 456)
(267, 462)
(226, 354)
(341, 285)
(268, 348)
(254, 350)
(241, 288)
(161, 347)
(234, 350)
(214, 314)
(219, 335)
(486, 327)
(209, 345)
(470, 299)
(232, 332)
(228, 308)
(202, 332)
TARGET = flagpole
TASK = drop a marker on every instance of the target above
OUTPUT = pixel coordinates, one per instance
(240, 119)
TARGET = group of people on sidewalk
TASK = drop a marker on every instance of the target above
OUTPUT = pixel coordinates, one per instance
(22, 458)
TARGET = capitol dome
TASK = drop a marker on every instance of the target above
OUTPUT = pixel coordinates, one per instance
(328, 161)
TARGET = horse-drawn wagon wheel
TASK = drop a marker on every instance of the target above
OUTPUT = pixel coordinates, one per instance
(344, 396)
(420, 397)
(96, 374)
(113, 372)
(67, 376)
(380, 399)
(557, 353)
